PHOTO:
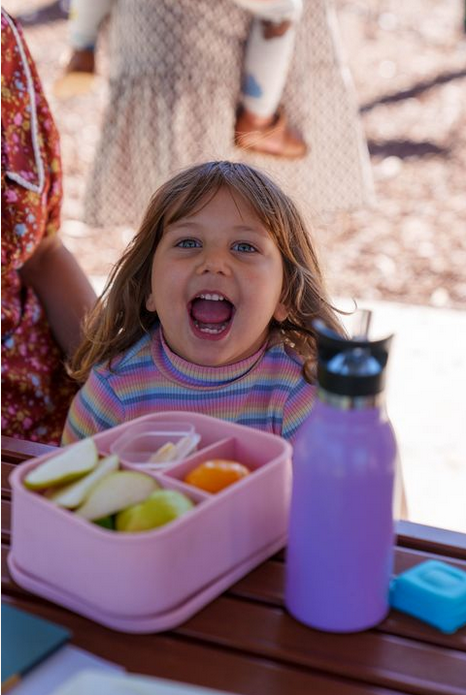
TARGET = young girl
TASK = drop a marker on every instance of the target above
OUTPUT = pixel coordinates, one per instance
(260, 125)
(209, 309)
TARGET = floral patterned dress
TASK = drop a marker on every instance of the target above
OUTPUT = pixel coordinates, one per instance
(36, 392)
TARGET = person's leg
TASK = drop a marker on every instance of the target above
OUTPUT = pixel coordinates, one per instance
(267, 60)
(85, 18)
(268, 53)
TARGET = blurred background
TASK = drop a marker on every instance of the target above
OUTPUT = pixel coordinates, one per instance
(405, 257)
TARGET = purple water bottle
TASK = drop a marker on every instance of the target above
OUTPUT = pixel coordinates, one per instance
(340, 547)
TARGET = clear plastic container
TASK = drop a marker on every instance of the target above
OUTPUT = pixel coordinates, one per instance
(155, 446)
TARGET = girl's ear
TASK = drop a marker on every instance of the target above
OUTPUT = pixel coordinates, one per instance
(150, 303)
(280, 313)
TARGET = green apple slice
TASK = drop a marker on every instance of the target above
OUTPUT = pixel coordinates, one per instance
(115, 492)
(72, 463)
(161, 507)
(73, 495)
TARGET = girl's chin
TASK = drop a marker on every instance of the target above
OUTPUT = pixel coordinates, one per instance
(209, 349)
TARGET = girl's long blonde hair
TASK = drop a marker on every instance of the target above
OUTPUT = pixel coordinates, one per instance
(120, 318)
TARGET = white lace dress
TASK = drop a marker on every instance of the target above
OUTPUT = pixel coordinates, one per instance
(175, 79)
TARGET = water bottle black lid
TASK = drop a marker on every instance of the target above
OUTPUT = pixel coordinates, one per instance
(353, 366)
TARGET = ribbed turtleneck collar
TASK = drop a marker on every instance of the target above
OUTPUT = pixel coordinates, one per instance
(177, 369)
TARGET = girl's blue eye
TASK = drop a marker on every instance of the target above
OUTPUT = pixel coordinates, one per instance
(188, 244)
(244, 247)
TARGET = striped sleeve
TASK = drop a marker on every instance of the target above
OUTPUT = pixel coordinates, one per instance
(297, 408)
(95, 408)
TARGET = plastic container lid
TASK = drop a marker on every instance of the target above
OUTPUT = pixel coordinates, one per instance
(434, 592)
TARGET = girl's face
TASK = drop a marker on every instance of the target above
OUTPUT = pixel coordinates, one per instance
(216, 282)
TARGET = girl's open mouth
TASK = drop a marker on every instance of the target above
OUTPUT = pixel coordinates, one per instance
(210, 315)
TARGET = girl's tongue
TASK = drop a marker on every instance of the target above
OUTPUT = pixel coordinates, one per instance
(206, 311)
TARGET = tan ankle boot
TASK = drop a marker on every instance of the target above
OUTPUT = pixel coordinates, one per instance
(276, 139)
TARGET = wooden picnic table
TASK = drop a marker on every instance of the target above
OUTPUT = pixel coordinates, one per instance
(246, 642)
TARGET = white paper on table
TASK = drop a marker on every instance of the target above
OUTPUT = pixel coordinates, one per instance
(44, 678)
(91, 682)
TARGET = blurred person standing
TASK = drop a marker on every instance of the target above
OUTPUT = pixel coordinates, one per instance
(174, 74)
(260, 126)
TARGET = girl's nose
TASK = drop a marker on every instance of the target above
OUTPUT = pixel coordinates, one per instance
(215, 262)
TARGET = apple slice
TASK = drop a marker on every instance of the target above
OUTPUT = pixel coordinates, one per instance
(71, 496)
(164, 454)
(174, 452)
(115, 492)
(72, 463)
(161, 507)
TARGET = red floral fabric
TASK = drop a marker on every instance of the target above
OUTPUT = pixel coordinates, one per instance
(36, 392)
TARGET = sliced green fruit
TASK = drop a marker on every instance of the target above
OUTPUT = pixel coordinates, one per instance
(71, 496)
(161, 507)
(115, 492)
(72, 463)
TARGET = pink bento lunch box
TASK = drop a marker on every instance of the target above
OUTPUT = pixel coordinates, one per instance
(155, 580)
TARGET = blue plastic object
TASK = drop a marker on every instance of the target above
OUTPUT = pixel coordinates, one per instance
(433, 592)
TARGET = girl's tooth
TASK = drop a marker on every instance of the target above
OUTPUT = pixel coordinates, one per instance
(213, 331)
(211, 297)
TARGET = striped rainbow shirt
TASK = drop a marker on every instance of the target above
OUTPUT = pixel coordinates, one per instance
(266, 391)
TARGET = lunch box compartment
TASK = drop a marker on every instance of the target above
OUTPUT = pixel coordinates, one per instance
(231, 449)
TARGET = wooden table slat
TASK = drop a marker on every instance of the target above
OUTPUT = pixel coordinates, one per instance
(6, 521)
(431, 539)
(182, 659)
(267, 580)
(18, 450)
(438, 541)
(7, 468)
(265, 584)
(387, 660)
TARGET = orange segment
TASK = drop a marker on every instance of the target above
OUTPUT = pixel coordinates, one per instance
(213, 476)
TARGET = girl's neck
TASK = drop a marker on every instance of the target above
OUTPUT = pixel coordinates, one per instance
(178, 369)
